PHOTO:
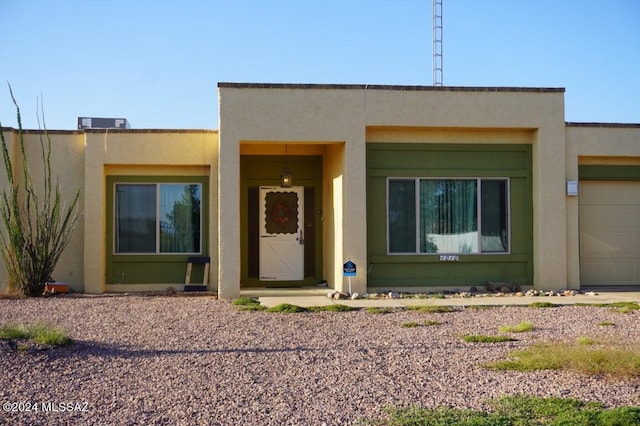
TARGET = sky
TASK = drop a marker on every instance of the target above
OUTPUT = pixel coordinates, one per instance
(158, 63)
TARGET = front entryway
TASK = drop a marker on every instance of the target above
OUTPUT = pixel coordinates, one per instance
(281, 212)
(271, 253)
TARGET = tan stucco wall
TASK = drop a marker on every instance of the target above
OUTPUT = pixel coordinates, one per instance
(150, 152)
(67, 168)
(336, 122)
(331, 117)
(344, 113)
(10, 138)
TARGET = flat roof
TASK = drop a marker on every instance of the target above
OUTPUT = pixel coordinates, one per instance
(389, 87)
(593, 124)
(106, 130)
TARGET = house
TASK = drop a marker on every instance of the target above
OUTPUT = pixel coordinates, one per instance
(423, 188)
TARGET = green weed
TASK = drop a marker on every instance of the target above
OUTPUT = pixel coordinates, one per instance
(244, 301)
(543, 305)
(287, 308)
(481, 307)
(245, 304)
(587, 359)
(48, 335)
(583, 340)
(336, 307)
(479, 338)
(14, 332)
(520, 410)
(40, 333)
(621, 307)
(521, 327)
(431, 309)
(378, 310)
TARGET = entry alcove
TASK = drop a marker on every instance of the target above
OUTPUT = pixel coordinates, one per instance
(264, 170)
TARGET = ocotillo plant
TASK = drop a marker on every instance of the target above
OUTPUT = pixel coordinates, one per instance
(37, 227)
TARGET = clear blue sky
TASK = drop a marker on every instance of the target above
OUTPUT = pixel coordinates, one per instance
(157, 63)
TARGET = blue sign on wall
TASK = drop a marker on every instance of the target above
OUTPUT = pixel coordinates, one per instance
(349, 269)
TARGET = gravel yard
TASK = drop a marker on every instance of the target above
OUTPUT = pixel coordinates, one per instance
(197, 360)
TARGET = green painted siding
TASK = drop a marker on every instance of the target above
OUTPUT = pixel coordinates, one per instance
(449, 161)
(594, 172)
(153, 268)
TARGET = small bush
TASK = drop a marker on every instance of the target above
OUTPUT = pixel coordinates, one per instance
(479, 338)
(431, 323)
(606, 324)
(410, 324)
(521, 327)
(287, 308)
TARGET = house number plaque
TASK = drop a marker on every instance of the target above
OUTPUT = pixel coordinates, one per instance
(449, 258)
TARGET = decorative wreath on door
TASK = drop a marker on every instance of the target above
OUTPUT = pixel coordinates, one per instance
(281, 212)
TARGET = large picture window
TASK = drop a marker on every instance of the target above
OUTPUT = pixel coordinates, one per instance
(453, 216)
(158, 218)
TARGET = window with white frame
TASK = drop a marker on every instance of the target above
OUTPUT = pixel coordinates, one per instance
(157, 218)
(454, 216)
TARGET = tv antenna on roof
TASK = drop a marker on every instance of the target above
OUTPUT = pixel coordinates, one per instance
(437, 42)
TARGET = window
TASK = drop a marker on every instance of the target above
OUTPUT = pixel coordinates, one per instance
(157, 218)
(429, 216)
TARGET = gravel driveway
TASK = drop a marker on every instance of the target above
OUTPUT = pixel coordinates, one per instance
(197, 360)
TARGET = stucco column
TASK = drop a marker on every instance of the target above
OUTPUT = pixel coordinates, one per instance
(228, 216)
(549, 208)
(94, 214)
(354, 221)
(573, 230)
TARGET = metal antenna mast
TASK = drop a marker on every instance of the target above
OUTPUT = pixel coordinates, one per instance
(437, 42)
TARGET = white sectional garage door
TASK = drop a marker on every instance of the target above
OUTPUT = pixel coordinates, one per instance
(609, 233)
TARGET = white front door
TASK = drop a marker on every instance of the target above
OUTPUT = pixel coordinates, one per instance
(281, 233)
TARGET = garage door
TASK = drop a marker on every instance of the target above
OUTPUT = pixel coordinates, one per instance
(609, 233)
